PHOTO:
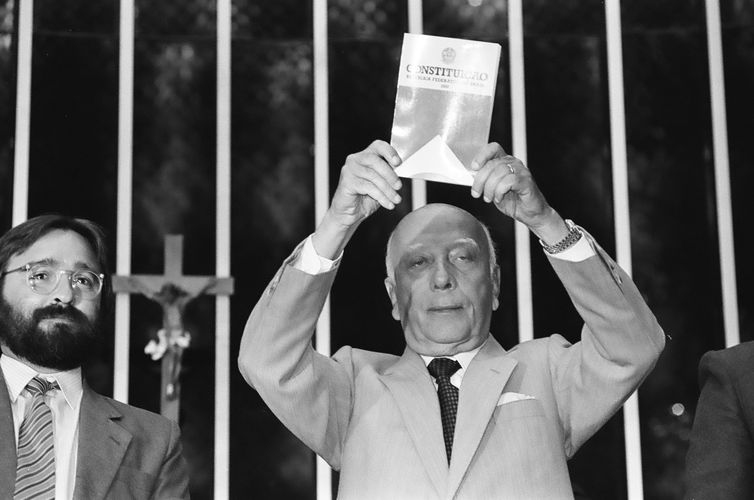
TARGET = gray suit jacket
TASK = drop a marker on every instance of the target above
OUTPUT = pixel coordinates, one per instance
(123, 452)
(521, 414)
(720, 460)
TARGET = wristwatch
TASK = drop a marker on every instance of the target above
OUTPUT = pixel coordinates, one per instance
(573, 236)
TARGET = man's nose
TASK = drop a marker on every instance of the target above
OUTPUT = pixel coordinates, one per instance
(442, 278)
(64, 291)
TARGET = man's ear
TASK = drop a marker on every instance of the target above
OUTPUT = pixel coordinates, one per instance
(390, 287)
(495, 287)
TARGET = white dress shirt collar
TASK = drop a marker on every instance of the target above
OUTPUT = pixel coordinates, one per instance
(464, 359)
(18, 374)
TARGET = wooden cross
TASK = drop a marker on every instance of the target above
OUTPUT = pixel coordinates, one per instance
(173, 291)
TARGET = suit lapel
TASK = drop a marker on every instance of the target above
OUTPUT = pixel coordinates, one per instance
(7, 443)
(411, 386)
(482, 385)
(101, 447)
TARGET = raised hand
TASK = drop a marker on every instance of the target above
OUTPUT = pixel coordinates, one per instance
(367, 181)
(504, 180)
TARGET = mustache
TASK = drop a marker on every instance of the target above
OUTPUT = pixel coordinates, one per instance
(59, 312)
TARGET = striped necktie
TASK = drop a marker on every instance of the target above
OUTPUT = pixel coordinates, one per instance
(442, 369)
(35, 474)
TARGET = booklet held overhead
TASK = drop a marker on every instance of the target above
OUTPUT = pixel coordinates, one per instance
(443, 106)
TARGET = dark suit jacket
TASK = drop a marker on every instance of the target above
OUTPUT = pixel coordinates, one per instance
(123, 452)
(521, 413)
(720, 460)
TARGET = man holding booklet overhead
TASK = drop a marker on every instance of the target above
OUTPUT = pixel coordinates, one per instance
(456, 416)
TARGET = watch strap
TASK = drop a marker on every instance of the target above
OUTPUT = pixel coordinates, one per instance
(570, 239)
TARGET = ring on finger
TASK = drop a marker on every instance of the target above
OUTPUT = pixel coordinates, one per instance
(510, 167)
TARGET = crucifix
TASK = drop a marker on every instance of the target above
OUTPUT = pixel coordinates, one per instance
(172, 291)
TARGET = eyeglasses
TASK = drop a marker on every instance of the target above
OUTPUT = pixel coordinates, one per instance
(44, 278)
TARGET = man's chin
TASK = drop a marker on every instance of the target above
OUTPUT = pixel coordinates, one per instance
(50, 337)
(64, 344)
(63, 353)
(447, 329)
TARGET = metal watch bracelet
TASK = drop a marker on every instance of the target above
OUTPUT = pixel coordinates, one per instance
(573, 236)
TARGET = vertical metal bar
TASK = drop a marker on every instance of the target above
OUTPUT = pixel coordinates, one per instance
(416, 25)
(23, 112)
(631, 427)
(722, 174)
(125, 172)
(222, 251)
(415, 16)
(321, 191)
(618, 135)
(518, 117)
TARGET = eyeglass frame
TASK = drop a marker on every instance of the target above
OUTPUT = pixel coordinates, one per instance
(28, 267)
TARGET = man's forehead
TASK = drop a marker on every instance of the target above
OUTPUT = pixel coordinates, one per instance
(59, 247)
(423, 243)
(438, 224)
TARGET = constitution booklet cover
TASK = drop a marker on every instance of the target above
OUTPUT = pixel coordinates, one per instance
(443, 106)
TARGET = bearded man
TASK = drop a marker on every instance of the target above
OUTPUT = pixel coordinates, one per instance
(69, 442)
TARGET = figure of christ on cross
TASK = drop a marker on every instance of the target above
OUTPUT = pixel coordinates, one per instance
(173, 291)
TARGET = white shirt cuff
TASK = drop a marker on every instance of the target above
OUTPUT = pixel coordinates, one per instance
(310, 262)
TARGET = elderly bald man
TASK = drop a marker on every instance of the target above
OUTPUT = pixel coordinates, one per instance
(456, 416)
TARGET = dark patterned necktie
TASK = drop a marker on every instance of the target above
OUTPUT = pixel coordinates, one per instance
(442, 369)
(35, 473)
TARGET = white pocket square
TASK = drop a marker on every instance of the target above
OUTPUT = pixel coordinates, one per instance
(509, 397)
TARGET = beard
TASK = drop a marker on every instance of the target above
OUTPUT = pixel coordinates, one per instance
(60, 346)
